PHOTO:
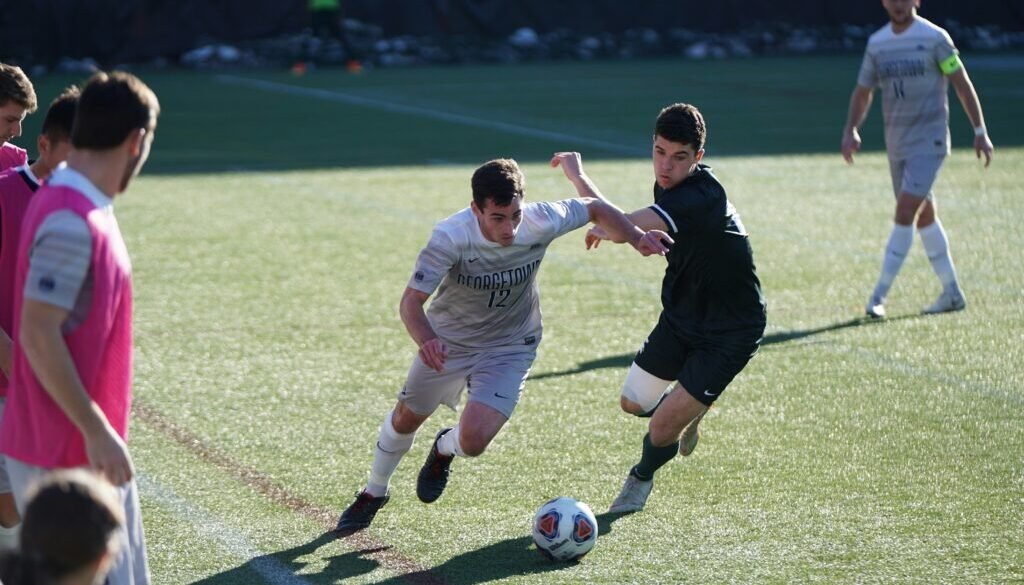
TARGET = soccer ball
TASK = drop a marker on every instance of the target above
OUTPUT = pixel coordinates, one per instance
(564, 529)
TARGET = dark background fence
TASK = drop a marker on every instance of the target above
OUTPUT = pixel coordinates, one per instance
(133, 30)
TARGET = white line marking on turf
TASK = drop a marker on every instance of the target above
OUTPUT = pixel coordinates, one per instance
(377, 104)
(272, 570)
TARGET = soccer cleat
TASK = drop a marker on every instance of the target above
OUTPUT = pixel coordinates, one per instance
(359, 515)
(633, 495)
(875, 308)
(945, 303)
(434, 474)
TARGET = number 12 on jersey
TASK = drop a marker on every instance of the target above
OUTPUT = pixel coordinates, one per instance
(498, 298)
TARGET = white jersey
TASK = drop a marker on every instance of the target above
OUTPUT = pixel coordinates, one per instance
(487, 294)
(908, 69)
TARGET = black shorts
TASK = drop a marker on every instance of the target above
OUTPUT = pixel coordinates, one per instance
(705, 366)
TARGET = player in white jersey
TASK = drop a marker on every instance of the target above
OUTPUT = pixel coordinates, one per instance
(910, 60)
(483, 327)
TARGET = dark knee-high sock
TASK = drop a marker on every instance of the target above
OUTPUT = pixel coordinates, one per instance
(653, 458)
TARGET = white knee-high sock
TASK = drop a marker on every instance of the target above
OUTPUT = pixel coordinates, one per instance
(900, 240)
(450, 444)
(936, 245)
(391, 447)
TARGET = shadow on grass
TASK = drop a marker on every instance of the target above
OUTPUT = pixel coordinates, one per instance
(781, 337)
(500, 560)
(280, 567)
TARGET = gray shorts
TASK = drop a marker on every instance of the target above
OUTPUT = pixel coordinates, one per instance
(5, 480)
(494, 378)
(916, 175)
(130, 567)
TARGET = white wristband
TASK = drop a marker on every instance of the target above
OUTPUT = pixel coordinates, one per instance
(980, 131)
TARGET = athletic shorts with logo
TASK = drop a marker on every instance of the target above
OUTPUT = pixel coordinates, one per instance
(704, 367)
(916, 175)
(495, 378)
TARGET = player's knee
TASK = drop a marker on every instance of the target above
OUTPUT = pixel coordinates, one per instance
(473, 444)
(9, 517)
(630, 407)
(405, 421)
(663, 435)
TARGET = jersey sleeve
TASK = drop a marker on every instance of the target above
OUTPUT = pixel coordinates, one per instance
(59, 260)
(686, 215)
(434, 262)
(563, 216)
(945, 54)
(868, 76)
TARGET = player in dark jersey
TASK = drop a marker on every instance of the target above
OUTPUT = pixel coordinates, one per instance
(713, 313)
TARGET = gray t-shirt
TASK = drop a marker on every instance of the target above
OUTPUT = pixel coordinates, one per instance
(906, 67)
(487, 294)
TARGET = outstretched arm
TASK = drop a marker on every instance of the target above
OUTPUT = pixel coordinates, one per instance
(48, 355)
(972, 106)
(614, 225)
(860, 103)
(433, 352)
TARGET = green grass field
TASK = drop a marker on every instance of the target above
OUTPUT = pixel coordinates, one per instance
(278, 222)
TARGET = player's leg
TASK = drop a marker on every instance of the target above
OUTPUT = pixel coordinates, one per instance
(900, 238)
(496, 382)
(934, 240)
(9, 517)
(703, 377)
(423, 391)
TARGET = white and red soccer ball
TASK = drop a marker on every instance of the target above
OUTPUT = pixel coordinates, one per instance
(564, 529)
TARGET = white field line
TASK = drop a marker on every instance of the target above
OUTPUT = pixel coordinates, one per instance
(441, 115)
(234, 542)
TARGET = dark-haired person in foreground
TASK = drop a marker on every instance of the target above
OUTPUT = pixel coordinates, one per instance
(483, 326)
(70, 534)
(71, 381)
(713, 313)
(17, 185)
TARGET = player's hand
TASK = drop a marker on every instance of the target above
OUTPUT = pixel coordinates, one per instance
(653, 242)
(108, 455)
(983, 145)
(571, 163)
(594, 236)
(851, 144)
(433, 353)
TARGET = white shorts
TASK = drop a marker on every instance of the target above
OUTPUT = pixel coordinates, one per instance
(494, 378)
(916, 175)
(130, 567)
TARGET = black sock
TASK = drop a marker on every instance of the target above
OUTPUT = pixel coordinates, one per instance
(653, 458)
(650, 412)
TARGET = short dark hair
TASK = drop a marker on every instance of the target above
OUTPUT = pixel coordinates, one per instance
(15, 86)
(682, 123)
(111, 107)
(69, 522)
(499, 180)
(60, 117)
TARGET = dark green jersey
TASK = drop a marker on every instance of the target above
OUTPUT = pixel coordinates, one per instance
(711, 286)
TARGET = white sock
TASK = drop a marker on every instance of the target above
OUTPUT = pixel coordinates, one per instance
(900, 240)
(936, 245)
(449, 443)
(9, 537)
(391, 447)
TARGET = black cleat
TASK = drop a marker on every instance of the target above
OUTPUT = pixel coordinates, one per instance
(359, 515)
(434, 474)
